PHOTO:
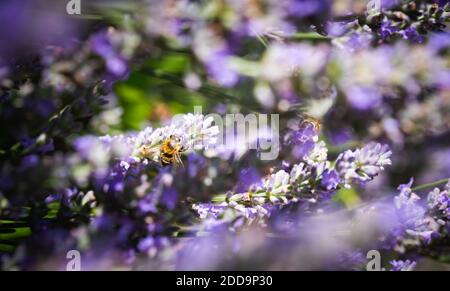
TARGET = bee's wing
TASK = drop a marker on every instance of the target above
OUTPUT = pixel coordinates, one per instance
(147, 151)
(318, 106)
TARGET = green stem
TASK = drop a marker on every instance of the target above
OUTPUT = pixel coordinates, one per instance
(205, 90)
(310, 36)
(429, 185)
(262, 40)
(236, 197)
(89, 17)
(342, 147)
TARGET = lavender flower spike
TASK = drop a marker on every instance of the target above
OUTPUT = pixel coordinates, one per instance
(402, 265)
(362, 165)
(194, 130)
(313, 179)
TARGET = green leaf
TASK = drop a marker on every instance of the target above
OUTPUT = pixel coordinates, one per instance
(18, 233)
(348, 197)
(135, 104)
(171, 63)
(6, 248)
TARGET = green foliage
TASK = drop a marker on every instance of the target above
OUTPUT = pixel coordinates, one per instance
(348, 197)
(151, 96)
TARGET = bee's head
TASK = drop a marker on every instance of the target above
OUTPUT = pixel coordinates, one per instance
(175, 138)
(178, 142)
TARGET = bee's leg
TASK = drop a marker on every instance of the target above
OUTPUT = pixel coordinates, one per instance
(165, 161)
(178, 158)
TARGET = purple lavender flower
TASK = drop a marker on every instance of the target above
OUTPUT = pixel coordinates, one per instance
(169, 198)
(146, 244)
(399, 265)
(4, 72)
(195, 162)
(330, 179)
(439, 204)
(148, 204)
(112, 194)
(114, 62)
(410, 212)
(357, 41)
(412, 35)
(387, 29)
(349, 260)
(248, 177)
(443, 2)
(439, 41)
(304, 181)
(414, 217)
(219, 68)
(306, 133)
(302, 139)
(305, 8)
(29, 162)
(29, 27)
(205, 210)
(340, 136)
(364, 98)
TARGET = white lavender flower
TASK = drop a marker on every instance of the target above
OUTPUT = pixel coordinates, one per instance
(362, 165)
(313, 179)
(299, 173)
(92, 150)
(119, 146)
(278, 183)
(195, 132)
(317, 155)
(209, 209)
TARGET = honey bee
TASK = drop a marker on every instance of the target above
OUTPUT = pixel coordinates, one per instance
(315, 122)
(315, 108)
(171, 149)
